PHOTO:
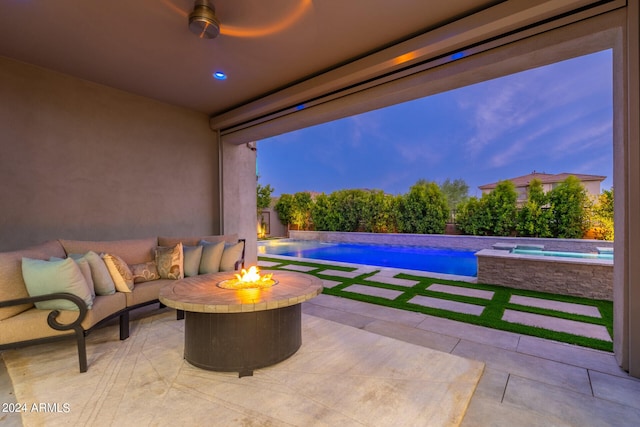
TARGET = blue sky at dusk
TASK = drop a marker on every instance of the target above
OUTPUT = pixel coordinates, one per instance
(552, 119)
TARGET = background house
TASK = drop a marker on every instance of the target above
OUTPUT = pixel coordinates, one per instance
(591, 183)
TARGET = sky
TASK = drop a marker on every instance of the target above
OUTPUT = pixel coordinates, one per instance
(551, 119)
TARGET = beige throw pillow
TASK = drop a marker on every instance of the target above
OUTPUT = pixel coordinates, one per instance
(170, 262)
(120, 272)
(145, 272)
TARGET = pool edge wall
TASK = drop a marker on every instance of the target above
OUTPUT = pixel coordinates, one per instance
(474, 243)
(589, 278)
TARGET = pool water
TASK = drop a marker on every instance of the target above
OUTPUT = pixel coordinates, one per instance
(436, 260)
(563, 254)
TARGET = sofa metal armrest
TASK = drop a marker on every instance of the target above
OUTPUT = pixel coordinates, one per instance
(52, 319)
(240, 263)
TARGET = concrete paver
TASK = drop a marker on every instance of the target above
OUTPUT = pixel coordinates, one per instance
(392, 281)
(555, 324)
(373, 291)
(301, 268)
(459, 290)
(330, 283)
(458, 307)
(585, 310)
(341, 273)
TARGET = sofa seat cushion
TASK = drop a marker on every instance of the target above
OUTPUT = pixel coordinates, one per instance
(32, 324)
(146, 291)
(134, 251)
(12, 284)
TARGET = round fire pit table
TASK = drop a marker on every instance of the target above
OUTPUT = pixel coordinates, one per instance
(240, 329)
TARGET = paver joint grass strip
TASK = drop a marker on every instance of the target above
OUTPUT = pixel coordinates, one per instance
(492, 313)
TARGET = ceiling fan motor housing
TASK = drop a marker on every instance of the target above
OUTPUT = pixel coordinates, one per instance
(203, 21)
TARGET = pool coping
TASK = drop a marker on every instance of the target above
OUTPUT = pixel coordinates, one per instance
(384, 271)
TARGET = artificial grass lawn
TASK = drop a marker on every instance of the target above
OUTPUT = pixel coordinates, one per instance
(491, 316)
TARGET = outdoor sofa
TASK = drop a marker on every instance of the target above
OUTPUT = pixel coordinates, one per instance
(67, 288)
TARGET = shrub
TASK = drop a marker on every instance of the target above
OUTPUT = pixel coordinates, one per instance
(423, 210)
(534, 218)
(602, 218)
(569, 207)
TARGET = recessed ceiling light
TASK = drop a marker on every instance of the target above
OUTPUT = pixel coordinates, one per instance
(220, 75)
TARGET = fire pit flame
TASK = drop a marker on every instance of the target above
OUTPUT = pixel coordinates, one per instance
(249, 279)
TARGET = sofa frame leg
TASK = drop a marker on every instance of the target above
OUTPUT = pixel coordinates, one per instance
(82, 351)
(124, 325)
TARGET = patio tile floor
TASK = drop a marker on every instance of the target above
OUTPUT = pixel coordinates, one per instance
(527, 381)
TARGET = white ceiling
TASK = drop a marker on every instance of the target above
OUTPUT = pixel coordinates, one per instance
(145, 47)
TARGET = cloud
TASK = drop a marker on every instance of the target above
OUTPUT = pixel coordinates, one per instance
(419, 152)
(585, 137)
(364, 127)
(545, 98)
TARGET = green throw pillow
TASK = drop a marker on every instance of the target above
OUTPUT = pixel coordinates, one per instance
(102, 281)
(192, 257)
(48, 277)
(211, 256)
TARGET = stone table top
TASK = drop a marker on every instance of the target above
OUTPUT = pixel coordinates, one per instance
(201, 293)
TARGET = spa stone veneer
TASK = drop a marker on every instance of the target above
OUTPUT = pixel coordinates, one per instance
(590, 278)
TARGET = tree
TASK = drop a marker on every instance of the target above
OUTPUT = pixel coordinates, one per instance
(534, 217)
(455, 192)
(569, 205)
(263, 197)
(423, 210)
(602, 216)
(321, 213)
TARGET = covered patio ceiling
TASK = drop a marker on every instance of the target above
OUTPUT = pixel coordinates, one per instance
(145, 47)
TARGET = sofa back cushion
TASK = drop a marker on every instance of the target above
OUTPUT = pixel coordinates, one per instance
(193, 241)
(134, 251)
(12, 284)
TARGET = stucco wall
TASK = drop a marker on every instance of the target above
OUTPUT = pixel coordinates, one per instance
(83, 161)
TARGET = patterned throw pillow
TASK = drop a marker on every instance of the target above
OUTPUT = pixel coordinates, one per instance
(170, 262)
(144, 272)
(120, 272)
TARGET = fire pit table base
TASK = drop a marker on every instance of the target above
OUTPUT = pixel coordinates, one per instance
(242, 342)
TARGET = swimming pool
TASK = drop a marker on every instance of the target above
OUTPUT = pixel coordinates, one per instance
(436, 260)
